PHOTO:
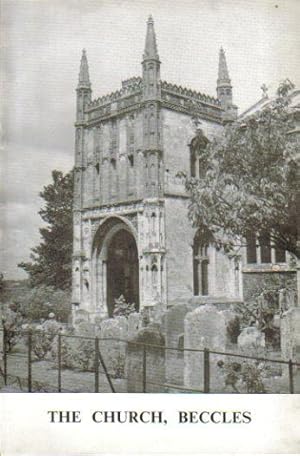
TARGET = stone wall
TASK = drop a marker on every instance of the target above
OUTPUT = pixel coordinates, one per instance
(254, 283)
(178, 131)
(179, 257)
(110, 175)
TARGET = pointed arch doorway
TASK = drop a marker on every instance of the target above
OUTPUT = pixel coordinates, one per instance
(122, 270)
(115, 266)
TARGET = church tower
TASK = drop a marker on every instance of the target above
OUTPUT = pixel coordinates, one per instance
(132, 236)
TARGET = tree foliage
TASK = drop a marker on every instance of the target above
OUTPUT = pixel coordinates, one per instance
(249, 179)
(50, 263)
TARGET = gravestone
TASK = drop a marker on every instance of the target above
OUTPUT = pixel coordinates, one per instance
(81, 315)
(174, 334)
(290, 343)
(290, 334)
(113, 349)
(151, 355)
(251, 339)
(205, 327)
(134, 324)
(287, 300)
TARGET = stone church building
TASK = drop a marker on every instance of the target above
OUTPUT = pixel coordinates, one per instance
(132, 236)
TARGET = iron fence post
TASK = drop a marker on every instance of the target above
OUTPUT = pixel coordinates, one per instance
(291, 378)
(5, 355)
(206, 370)
(29, 361)
(144, 368)
(59, 362)
(96, 365)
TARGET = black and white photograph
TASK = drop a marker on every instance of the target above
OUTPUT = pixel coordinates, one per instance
(150, 203)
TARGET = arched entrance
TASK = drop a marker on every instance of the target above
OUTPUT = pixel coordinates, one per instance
(122, 270)
(115, 265)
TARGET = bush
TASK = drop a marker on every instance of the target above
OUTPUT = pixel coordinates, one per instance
(76, 353)
(39, 302)
(11, 321)
(245, 377)
(43, 336)
(123, 308)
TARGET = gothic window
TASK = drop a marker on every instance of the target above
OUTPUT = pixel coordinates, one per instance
(259, 249)
(200, 266)
(197, 154)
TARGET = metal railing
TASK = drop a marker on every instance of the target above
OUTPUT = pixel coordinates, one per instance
(100, 364)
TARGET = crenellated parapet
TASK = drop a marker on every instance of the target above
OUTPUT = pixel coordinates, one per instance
(172, 96)
(188, 93)
(190, 102)
(129, 87)
(134, 83)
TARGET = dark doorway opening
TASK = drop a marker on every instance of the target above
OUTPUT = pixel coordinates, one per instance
(122, 270)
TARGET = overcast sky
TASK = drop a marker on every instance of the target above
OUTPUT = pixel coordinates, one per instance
(41, 48)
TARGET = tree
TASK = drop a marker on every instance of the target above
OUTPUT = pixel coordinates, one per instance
(249, 179)
(52, 258)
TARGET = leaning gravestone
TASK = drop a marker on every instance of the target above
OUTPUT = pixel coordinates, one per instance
(174, 333)
(146, 349)
(204, 328)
